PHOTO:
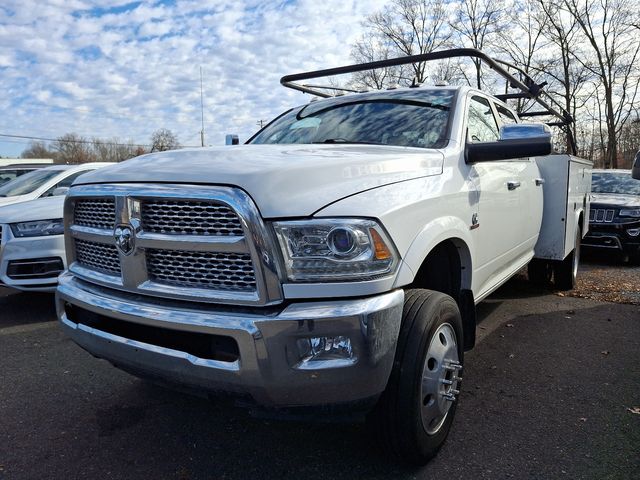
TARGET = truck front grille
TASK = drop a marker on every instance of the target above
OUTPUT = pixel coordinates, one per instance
(184, 242)
(95, 213)
(191, 217)
(98, 256)
(219, 271)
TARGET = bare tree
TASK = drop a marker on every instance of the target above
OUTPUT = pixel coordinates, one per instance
(72, 149)
(609, 28)
(405, 27)
(629, 141)
(476, 23)
(164, 139)
(113, 150)
(566, 76)
(527, 23)
(37, 150)
(370, 48)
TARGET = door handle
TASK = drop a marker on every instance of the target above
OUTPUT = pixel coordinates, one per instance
(539, 181)
(512, 185)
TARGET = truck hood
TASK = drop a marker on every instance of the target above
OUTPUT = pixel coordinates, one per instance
(283, 180)
(41, 209)
(615, 200)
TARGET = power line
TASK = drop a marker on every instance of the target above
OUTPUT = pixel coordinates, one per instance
(44, 139)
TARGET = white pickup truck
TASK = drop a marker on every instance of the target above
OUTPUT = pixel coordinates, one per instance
(334, 260)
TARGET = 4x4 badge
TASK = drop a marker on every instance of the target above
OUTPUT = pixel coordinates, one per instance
(125, 239)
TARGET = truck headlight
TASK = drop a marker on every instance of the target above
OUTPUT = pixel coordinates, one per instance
(335, 250)
(38, 228)
(629, 213)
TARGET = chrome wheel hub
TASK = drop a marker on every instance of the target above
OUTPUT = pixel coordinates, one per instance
(441, 376)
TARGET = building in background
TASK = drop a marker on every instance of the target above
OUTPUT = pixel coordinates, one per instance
(18, 161)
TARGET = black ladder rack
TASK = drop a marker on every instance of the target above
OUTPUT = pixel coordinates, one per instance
(527, 87)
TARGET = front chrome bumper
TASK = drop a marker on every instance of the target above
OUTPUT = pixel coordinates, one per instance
(268, 366)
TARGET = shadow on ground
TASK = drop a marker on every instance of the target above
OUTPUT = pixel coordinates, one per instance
(541, 400)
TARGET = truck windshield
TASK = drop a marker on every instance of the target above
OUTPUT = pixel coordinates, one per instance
(408, 118)
(27, 183)
(617, 182)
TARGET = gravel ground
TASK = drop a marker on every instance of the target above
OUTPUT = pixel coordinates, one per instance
(608, 279)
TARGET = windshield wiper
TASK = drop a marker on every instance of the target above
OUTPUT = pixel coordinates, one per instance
(346, 141)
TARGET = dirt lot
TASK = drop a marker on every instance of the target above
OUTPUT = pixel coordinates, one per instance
(608, 279)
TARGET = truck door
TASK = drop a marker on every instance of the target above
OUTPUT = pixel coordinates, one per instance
(531, 194)
(500, 204)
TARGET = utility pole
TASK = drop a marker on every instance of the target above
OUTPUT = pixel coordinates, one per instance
(201, 111)
(261, 123)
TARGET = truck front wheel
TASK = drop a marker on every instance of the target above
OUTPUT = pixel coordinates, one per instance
(415, 413)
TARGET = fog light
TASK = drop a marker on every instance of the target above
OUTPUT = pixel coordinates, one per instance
(633, 232)
(325, 352)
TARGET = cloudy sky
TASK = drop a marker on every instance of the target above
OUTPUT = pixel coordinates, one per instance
(124, 69)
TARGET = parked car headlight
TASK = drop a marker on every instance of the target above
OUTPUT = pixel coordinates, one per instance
(335, 250)
(38, 228)
(630, 213)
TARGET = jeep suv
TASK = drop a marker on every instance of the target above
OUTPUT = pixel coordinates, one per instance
(614, 219)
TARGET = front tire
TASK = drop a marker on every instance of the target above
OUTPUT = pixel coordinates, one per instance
(415, 413)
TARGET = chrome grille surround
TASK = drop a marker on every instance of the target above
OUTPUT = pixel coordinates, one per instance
(96, 213)
(222, 268)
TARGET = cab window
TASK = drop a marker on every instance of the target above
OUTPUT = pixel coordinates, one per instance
(506, 116)
(481, 124)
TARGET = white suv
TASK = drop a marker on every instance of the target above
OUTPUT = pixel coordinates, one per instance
(32, 250)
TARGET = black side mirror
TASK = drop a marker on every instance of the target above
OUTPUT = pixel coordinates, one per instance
(635, 169)
(516, 141)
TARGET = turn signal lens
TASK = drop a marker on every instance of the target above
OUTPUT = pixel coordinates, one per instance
(381, 250)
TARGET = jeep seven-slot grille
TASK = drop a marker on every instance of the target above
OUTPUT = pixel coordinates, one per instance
(97, 256)
(96, 213)
(601, 215)
(219, 271)
(189, 217)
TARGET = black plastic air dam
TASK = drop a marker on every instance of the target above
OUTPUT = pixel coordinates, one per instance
(202, 345)
(36, 268)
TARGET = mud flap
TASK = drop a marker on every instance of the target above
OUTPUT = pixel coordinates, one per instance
(467, 308)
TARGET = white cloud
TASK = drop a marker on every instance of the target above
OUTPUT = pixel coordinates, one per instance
(87, 67)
